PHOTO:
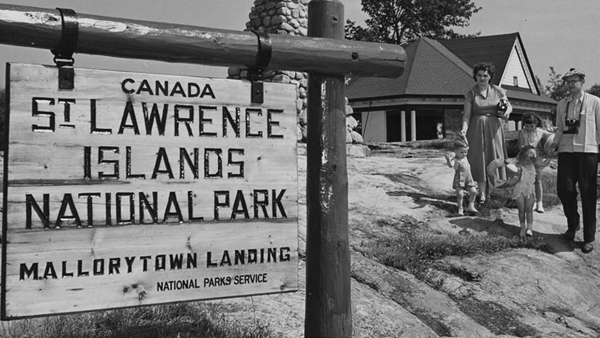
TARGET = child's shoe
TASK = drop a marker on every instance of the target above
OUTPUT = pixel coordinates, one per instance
(471, 208)
(539, 207)
(523, 232)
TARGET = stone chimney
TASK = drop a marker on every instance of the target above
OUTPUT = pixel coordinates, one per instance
(287, 17)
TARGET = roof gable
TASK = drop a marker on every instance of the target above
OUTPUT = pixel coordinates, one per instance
(514, 75)
(495, 49)
(506, 52)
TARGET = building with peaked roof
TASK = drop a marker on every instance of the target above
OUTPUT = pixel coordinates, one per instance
(426, 102)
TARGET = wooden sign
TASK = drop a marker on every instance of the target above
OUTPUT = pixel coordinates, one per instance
(137, 189)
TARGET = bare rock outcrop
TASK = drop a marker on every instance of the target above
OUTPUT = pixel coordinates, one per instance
(513, 293)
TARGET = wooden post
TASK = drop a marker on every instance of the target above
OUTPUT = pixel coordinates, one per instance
(325, 55)
(328, 296)
(136, 39)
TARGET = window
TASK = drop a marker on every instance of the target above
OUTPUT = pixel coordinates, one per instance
(515, 81)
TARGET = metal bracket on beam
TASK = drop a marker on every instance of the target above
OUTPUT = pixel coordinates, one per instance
(63, 52)
(263, 57)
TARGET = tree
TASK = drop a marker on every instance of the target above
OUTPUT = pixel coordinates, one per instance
(402, 21)
(594, 90)
(352, 31)
(538, 82)
(556, 87)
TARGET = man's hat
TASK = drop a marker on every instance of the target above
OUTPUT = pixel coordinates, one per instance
(574, 71)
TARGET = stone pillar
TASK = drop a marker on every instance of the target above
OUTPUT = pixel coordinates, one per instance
(288, 17)
(280, 17)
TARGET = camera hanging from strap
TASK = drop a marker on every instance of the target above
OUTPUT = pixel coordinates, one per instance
(63, 52)
(573, 124)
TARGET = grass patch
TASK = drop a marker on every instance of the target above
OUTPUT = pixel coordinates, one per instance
(182, 320)
(417, 251)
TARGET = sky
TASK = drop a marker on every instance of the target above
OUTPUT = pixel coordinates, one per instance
(553, 34)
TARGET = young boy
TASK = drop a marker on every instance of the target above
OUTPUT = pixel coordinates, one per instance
(463, 180)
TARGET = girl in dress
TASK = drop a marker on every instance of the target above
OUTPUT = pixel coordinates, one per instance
(463, 180)
(524, 189)
(531, 134)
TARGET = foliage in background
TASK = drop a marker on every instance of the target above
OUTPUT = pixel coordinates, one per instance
(402, 21)
(556, 87)
(594, 90)
(355, 32)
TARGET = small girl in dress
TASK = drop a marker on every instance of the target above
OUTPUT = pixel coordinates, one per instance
(463, 180)
(537, 137)
(524, 189)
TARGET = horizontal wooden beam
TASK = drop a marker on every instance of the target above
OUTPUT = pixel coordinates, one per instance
(136, 39)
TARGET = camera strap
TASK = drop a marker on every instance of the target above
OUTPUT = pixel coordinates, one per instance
(580, 109)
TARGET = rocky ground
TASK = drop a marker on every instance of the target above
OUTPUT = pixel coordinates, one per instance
(516, 293)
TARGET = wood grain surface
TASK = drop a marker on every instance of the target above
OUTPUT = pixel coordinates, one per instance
(162, 188)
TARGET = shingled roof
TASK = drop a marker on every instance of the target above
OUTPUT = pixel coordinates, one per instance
(494, 49)
(444, 68)
(430, 69)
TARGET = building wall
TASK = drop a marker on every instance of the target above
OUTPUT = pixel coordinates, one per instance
(514, 69)
(452, 121)
(428, 121)
(374, 126)
(385, 126)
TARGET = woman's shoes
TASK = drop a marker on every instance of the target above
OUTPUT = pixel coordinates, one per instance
(529, 233)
